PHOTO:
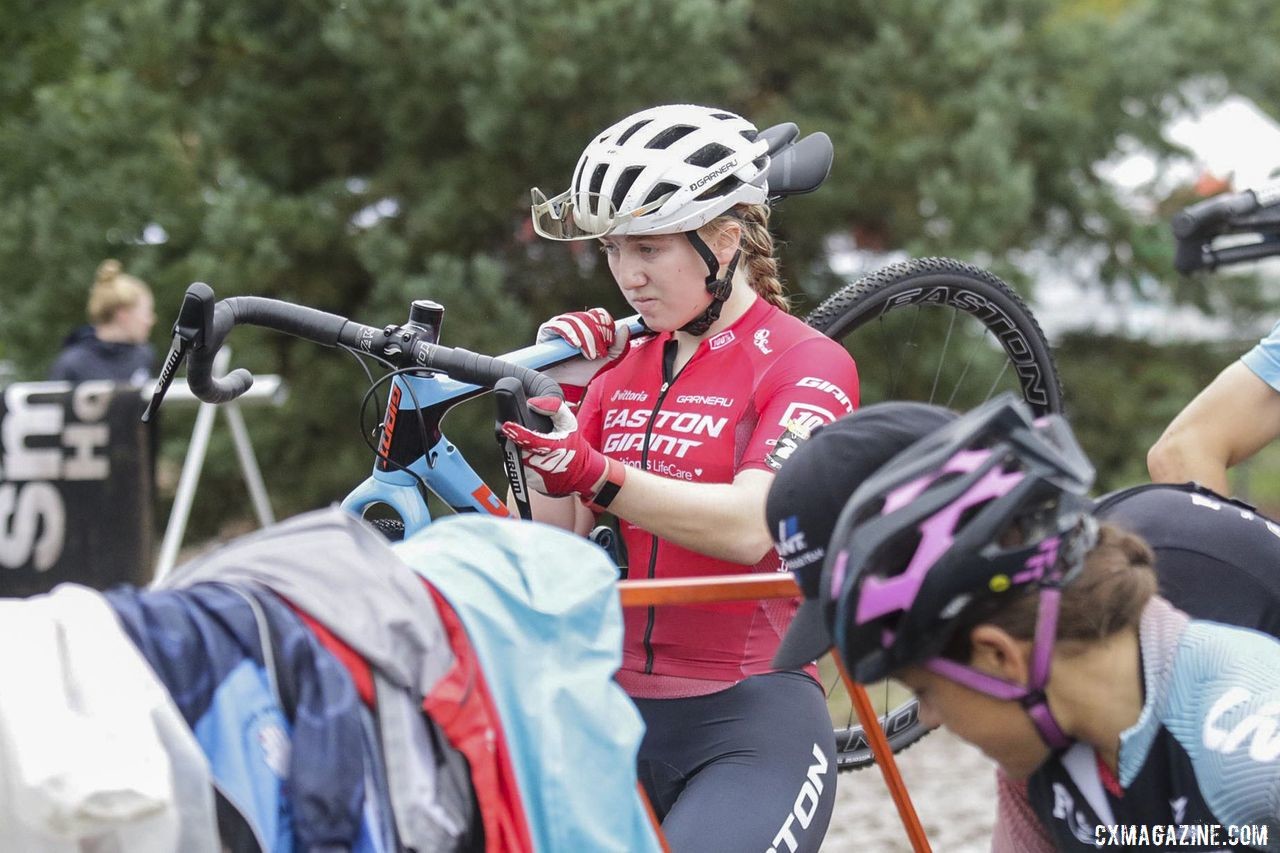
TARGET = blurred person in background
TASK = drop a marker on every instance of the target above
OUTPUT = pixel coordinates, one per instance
(679, 435)
(115, 344)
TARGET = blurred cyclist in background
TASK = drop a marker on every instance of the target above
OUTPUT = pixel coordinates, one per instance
(115, 345)
(679, 436)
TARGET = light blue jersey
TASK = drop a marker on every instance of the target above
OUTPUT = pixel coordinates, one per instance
(1202, 760)
(1264, 359)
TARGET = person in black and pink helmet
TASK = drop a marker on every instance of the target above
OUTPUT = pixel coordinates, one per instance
(970, 566)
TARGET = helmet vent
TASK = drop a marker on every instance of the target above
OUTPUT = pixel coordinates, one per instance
(625, 180)
(597, 178)
(659, 190)
(630, 131)
(723, 115)
(670, 136)
(708, 154)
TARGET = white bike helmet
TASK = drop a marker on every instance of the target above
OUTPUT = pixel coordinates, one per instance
(665, 170)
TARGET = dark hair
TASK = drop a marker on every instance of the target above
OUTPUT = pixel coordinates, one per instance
(1109, 595)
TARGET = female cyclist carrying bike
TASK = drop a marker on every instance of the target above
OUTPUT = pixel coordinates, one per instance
(971, 568)
(679, 436)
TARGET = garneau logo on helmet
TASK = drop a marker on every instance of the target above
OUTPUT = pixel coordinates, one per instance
(713, 174)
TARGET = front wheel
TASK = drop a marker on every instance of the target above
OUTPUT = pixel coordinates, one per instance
(942, 331)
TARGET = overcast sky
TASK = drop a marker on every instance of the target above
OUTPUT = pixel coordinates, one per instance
(1232, 137)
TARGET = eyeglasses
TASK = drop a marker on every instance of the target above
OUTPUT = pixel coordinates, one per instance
(582, 215)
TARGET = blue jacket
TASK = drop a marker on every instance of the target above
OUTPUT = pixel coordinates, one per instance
(276, 715)
(84, 356)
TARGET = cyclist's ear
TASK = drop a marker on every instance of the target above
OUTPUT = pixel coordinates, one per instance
(724, 237)
(996, 652)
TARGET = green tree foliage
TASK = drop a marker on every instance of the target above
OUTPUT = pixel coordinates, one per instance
(349, 156)
(974, 128)
(355, 154)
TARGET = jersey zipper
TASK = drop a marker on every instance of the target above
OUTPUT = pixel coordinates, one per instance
(668, 364)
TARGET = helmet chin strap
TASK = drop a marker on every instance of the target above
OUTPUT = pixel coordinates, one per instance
(719, 288)
(1031, 696)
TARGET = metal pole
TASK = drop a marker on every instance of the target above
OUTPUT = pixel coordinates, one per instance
(249, 464)
(191, 467)
(884, 759)
(266, 389)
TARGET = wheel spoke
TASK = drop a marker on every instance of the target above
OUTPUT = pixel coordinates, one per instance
(960, 381)
(1004, 368)
(942, 357)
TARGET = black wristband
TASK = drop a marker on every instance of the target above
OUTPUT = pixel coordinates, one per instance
(614, 475)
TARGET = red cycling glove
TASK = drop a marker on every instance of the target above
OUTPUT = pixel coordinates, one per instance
(562, 462)
(602, 345)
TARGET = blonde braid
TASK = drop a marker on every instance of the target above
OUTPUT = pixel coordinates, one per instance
(758, 260)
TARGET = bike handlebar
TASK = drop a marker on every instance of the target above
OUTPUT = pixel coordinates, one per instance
(203, 325)
(1205, 218)
(310, 324)
(1255, 211)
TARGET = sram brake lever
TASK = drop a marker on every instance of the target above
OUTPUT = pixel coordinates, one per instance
(194, 320)
(509, 395)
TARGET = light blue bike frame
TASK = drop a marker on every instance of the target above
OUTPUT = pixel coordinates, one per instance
(441, 466)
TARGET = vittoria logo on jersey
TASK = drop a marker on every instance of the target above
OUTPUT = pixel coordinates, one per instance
(721, 340)
(629, 396)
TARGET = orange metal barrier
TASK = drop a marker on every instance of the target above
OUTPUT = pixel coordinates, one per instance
(747, 587)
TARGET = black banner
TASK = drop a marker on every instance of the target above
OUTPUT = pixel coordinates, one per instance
(76, 486)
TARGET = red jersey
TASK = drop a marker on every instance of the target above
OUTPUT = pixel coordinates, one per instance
(724, 412)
